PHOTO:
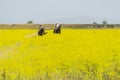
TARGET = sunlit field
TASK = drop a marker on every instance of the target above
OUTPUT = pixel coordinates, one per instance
(75, 54)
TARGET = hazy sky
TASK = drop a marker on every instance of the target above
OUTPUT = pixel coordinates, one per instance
(20, 11)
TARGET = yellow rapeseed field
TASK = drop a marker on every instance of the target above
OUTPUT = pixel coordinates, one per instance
(75, 54)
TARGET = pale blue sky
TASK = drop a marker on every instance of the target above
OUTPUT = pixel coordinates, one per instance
(20, 11)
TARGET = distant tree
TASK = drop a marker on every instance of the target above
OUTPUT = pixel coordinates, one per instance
(95, 23)
(104, 22)
(30, 22)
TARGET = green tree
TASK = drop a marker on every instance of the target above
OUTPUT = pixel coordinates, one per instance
(95, 23)
(105, 22)
(30, 22)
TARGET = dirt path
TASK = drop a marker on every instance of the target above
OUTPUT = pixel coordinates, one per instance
(6, 50)
(31, 35)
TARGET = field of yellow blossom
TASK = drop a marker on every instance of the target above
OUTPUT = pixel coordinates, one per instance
(75, 54)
